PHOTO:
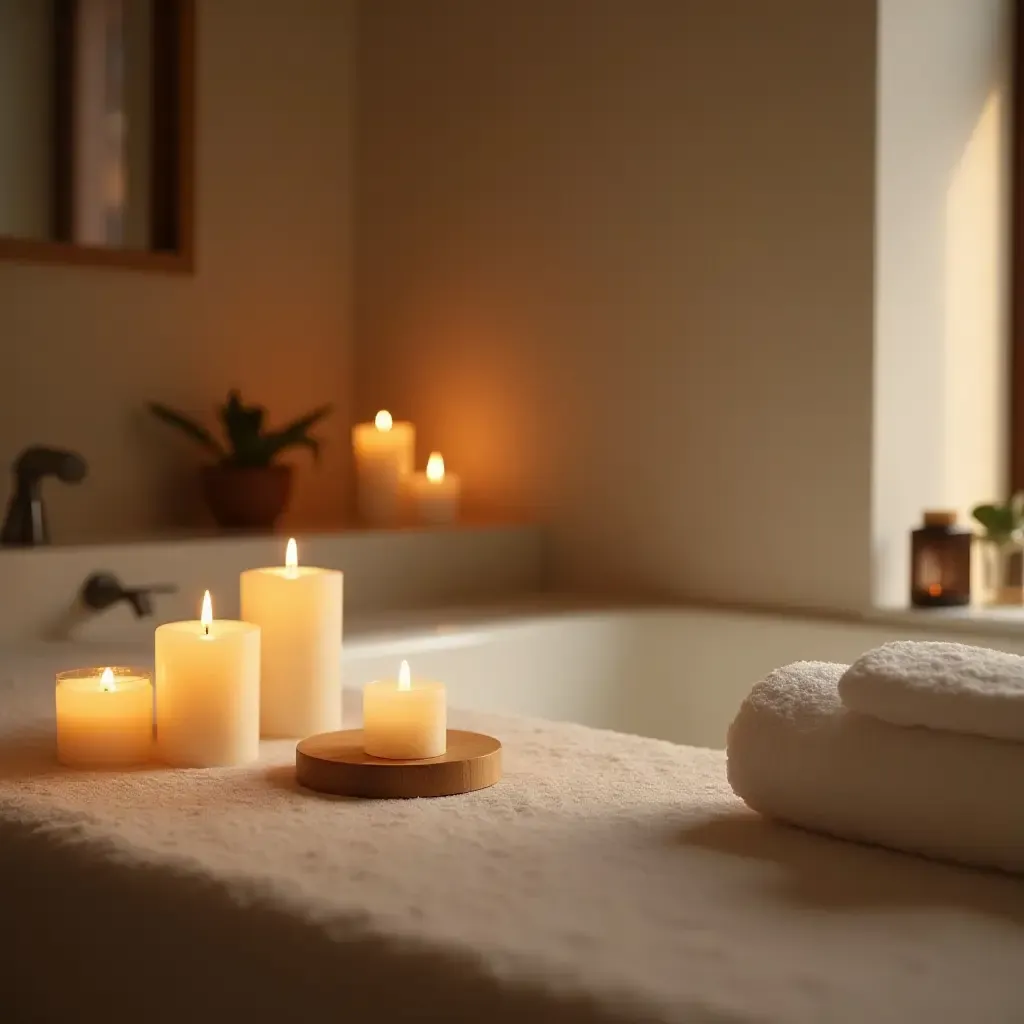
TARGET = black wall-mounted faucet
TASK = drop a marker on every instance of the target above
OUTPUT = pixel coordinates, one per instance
(25, 522)
(103, 589)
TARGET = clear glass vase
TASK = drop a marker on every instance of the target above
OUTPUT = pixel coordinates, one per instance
(1003, 570)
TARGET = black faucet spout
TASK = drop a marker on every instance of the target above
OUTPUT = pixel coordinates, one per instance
(25, 522)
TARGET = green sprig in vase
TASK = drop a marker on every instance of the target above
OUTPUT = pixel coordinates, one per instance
(1002, 546)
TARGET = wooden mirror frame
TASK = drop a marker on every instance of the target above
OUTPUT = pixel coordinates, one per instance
(173, 102)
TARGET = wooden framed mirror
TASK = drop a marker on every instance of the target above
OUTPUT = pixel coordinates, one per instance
(97, 132)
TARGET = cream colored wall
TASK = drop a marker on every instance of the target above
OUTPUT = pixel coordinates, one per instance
(942, 255)
(615, 260)
(267, 309)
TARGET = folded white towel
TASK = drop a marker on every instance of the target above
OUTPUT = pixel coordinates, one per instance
(795, 753)
(939, 686)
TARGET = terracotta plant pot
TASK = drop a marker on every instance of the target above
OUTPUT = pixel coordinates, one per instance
(243, 498)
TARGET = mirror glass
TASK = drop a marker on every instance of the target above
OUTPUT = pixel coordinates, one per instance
(93, 124)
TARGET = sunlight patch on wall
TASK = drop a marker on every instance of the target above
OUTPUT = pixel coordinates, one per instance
(976, 342)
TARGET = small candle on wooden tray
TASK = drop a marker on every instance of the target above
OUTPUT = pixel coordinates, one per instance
(404, 719)
(104, 717)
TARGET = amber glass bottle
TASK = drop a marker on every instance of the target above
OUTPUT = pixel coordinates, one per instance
(940, 562)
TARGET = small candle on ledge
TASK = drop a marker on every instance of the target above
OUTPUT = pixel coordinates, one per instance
(207, 691)
(404, 719)
(384, 452)
(436, 493)
(104, 717)
(298, 610)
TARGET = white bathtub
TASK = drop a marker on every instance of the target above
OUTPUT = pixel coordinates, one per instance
(672, 673)
(676, 674)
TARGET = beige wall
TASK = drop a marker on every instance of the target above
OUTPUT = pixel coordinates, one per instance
(615, 260)
(267, 309)
(941, 382)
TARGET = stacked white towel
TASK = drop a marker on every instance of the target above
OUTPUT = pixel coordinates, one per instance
(918, 747)
(940, 686)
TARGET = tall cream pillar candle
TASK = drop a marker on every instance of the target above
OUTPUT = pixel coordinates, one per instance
(384, 452)
(207, 691)
(104, 717)
(404, 720)
(298, 610)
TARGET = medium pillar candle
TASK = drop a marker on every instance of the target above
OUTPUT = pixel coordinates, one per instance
(207, 691)
(384, 451)
(298, 610)
(104, 717)
(436, 493)
(404, 719)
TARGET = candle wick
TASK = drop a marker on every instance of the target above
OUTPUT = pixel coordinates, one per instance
(207, 630)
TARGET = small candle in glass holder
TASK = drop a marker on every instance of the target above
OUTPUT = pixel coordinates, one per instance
(104, 717)
(436, 493)
(404, 719)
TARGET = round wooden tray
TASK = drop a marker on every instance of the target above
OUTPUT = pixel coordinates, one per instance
(335, 762)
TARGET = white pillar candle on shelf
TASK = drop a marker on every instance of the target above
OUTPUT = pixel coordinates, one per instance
(104, 717)
(298, 610)
(207, 691)
(436, 493)
(384, 451)
(404, 719)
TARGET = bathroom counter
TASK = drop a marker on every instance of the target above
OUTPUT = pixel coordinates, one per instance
(606, 878)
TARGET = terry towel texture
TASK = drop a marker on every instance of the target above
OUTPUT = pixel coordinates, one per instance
(939, 686)
(796, 754)
(607, 879)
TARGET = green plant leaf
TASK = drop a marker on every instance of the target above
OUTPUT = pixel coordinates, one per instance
(303, 423)
(243, 426)
(187, 426)
(999, 520)
(296, 435)
(249, 445)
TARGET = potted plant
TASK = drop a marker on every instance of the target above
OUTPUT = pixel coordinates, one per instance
(246, 487)
(1003, 540)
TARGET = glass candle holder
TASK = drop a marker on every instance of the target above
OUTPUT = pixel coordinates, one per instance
(940, 562)
(104, 717)
(1002, 570)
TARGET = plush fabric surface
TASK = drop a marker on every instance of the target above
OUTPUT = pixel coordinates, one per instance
(795, 753)
(939, 686)
(607, 878)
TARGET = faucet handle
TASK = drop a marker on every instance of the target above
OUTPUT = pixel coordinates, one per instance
(141, 598)
(103, 589)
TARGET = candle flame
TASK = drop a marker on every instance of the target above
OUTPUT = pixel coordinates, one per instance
(404, 677)
(435, 467)
(383, 421)
(107, 684)
(206, 616)
(291, 554)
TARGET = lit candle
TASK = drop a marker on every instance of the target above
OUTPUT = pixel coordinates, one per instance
(436, 493)
(404, 720)
(104, 717)
(208, 691)
(384, 452)
(298, 610)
